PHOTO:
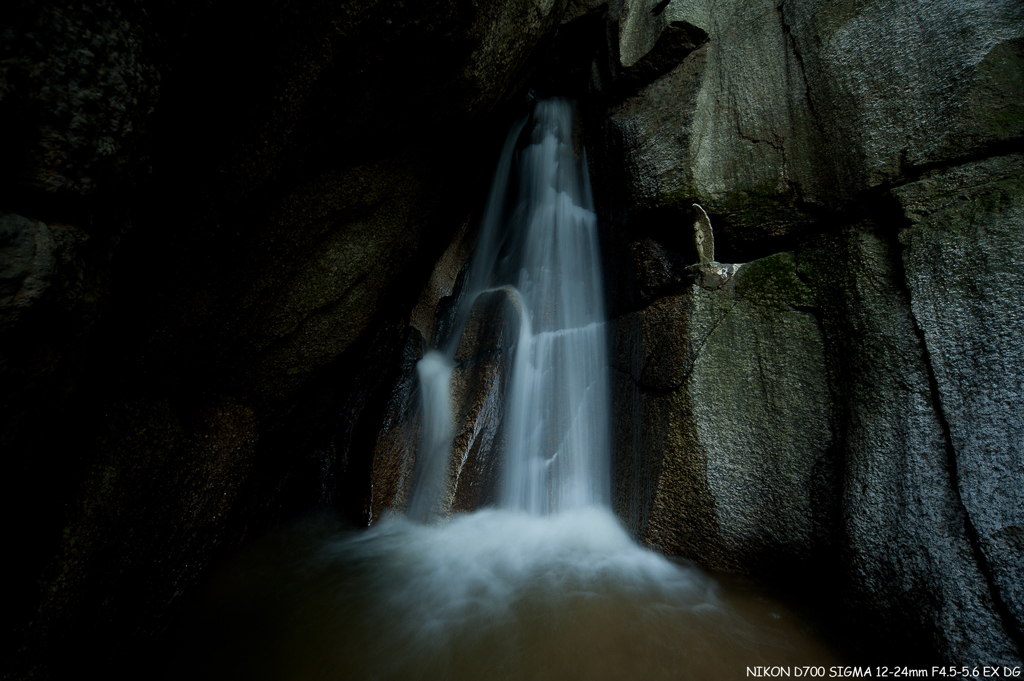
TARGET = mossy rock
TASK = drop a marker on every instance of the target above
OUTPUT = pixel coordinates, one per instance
(772, 285)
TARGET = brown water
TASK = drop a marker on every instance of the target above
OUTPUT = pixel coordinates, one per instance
(489, 596)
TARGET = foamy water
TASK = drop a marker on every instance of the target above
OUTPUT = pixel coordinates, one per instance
(490, 595)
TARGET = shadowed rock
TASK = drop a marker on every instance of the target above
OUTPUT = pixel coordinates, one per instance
(732, 394)
(964, 263)
(483, 357)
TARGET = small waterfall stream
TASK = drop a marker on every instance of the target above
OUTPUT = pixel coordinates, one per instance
(539, 234)
(548, 584)
(558, 449)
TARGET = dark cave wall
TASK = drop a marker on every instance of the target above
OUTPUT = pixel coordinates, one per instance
(214, 225)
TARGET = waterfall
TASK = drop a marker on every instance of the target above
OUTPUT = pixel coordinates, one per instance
(517, 591)
(435, 374)
(539, 234)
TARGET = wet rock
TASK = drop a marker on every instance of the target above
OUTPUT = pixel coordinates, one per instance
(392, 472)
(485, 354)
(43, 272)
(483, 363)
(492, 325)
(732, 397)
(964, 263)
(430, 313)
(912, 572)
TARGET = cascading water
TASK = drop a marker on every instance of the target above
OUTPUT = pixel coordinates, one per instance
(548, 585)
(539, 234)
(558, 453)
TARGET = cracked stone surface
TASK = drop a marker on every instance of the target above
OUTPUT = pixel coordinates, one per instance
(964, 261)
(797, 413)
(912, 573)
(896, 86)
(727, 119)
(800, 102)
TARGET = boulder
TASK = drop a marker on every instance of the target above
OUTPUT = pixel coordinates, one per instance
(483, 363)
(485, 355)
(393, 468)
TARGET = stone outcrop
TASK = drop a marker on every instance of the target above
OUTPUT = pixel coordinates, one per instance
(878, 144)
(964, 262)
(485, 354)
(789, 416)
(905, 390)
(483, 365)
(791, 107)
(911, 566)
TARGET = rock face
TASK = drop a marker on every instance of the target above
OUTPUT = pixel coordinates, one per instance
(794, 106)
(903, 523)
(964, 262)
(212, 227)
(896, 88)
(786, 417)
(880, 146)
(485, 353)
(483, 364)
(732, 393)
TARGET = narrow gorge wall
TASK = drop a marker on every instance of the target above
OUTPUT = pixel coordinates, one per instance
(847, 412)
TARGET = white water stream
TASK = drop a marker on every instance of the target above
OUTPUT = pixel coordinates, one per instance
(546, 586)
(539, 234)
